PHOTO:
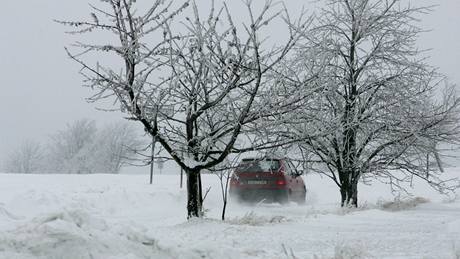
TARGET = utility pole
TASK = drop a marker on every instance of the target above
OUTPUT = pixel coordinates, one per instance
(181, 175)
(152, 159)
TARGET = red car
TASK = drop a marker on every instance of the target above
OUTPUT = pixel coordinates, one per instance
(267, 180)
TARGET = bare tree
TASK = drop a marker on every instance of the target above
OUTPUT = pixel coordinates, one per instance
(135, 42)
(27, 159)
(213, 86)
(82, 148)
(114, 147)
(219, 89)
(70, 150)
(383, 108)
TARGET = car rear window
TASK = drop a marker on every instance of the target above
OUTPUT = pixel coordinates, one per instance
(254, 166)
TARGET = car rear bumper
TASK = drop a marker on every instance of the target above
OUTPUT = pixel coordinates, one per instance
(258, 195)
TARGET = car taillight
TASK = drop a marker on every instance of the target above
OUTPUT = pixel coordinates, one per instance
(281, 182)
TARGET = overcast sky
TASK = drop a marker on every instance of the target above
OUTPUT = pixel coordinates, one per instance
(41, 89)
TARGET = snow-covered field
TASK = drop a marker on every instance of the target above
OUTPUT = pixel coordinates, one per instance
(121, 216)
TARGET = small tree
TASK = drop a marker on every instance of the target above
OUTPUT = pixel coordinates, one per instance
(27, 159)
(224, 173)
(214, 84)
(381, 112)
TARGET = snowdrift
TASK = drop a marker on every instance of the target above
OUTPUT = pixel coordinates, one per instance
(121, 216)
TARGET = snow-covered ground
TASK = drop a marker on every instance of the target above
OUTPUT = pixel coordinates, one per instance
(121, 216)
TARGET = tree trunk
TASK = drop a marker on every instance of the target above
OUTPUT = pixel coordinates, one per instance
(200, 188)
(224, 208)
(349, 193)
(194, 199)
(354, 194)
(343, 195)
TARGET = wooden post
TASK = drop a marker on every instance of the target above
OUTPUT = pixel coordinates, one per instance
(181, 177)
(152, 159)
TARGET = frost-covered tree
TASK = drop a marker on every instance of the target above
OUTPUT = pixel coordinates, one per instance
(26, 159)
(383, 108)
(199, 86)
(115, 146)
(82, 148)
(71, 150)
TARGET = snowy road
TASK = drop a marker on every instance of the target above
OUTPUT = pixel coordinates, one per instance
(120, 216)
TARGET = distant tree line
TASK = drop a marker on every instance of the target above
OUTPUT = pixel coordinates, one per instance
(81, 148)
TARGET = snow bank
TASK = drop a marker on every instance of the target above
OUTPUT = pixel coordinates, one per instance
(402, 204)
(5, 215)
(76, 234)
(121, 216)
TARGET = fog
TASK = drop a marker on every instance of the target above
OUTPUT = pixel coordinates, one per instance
(41, 89)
